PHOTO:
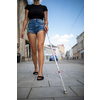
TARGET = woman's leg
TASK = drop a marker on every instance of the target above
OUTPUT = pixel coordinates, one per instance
(32, 41)
(41, 40)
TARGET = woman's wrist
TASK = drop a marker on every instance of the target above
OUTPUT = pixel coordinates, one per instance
(46, 24)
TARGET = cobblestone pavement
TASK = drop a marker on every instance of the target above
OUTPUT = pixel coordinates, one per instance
(72, 71)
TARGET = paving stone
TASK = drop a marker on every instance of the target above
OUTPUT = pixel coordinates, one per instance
(28, 78)
(50, 92)
(30, 74)
(18, 79)
(79, 90)
(53, 75)
(65, 76)
(67, 82)
(81, 80)
(70, 98)
(21, 74)
(32, 83)
(26, 82)
(22, 92)
(52, 72)
(75, 76)
(38, 99)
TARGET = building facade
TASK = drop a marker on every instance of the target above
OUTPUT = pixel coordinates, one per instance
(62, 50)
(80, 45)
(74, 48)
(77, 51)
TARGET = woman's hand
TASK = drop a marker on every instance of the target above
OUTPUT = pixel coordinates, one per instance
(22, 35)
(46, 28)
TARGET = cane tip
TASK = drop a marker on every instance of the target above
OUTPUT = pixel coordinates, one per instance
(65, 92)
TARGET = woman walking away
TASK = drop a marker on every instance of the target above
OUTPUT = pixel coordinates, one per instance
(36, 17)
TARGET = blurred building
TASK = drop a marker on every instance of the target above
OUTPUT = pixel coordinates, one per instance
(71, 53)
(68, 55)
(80, 45)
(74, 48)
(77, 51)
(23, 44)
(62, 50)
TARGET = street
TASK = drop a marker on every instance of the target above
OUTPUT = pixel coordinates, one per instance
(72, 71)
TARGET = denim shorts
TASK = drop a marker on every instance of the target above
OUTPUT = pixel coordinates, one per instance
(35, 25)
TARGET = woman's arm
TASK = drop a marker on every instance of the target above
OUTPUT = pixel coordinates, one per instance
(25, 20)
(45, 17)
(24, 23)
(46, 21)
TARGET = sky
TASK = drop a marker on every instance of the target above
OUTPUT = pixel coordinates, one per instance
(65, 21)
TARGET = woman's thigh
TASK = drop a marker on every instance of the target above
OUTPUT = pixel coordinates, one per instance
(32, 40)
(41, 38)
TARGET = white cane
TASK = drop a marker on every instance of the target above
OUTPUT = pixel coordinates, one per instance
(57, 67)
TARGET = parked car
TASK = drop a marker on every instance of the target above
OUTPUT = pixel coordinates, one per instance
(52, 58)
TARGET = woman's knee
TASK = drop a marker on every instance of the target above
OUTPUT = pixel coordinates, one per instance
(40, 47)
(34, 50)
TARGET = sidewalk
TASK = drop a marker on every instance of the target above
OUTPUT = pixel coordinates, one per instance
(28, 88)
